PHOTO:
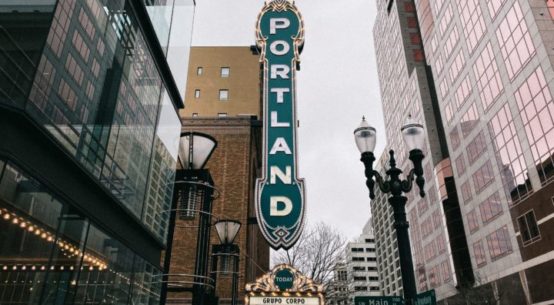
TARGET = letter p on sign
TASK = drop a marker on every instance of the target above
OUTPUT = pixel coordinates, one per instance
(278, 23)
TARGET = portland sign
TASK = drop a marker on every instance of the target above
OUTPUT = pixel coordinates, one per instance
(279, 192)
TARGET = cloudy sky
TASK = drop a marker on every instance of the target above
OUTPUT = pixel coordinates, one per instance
(337, 84)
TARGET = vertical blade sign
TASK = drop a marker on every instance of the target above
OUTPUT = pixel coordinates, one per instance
(279, 193)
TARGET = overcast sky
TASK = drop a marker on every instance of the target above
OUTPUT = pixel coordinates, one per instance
(336, 85)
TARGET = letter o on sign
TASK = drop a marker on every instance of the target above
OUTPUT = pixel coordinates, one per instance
(279, 44)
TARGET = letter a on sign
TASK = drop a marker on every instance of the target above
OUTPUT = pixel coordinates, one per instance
(280, 194)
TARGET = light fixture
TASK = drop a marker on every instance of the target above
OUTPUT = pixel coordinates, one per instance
(365, 137)
(413, 134)
(227, 230)
(195, 149)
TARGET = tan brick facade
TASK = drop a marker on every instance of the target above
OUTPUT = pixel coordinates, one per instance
(234, 165)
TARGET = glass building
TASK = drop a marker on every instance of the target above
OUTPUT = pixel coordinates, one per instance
(490, 65)
(89, 132)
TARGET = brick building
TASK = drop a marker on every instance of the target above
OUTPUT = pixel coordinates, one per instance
(223, 96)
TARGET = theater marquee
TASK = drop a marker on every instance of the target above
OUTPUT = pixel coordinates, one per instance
(279, 193)
(284, 285)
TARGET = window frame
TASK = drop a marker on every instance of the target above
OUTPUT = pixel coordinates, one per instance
(226, 98)
(225, 75)
(524, 217)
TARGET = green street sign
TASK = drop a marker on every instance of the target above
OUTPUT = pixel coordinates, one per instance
(426, 298)
(284, 279)
(390, 300)
(279, 192)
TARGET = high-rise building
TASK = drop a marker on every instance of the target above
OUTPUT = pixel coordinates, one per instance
(89, 130)
(361, 265)
(436, 232)
(492, 63)
(233, 120)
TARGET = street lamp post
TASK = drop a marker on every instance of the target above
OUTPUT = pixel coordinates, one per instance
(414, 137)
(192, 180)
(227, 230)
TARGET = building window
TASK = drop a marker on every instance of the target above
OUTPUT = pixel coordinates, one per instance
(479, 254)
(510, 161)
(472, 22)
(528, 228)
(466, 192)
(515, 41)
(225, 71)
(197, 93)
(476, 148)
(472, 221)
(223, 95)
(199, 71)
(488, 78)
(499, 243)
(483, 177)
(494, 6)
(534, 101)
(491, 208)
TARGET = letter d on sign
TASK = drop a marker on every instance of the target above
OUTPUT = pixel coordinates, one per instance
(274, 206)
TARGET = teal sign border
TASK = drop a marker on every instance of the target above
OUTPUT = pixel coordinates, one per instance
(280, 193)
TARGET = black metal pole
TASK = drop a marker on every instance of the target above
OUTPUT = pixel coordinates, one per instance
(404, 249)
(396, 186)
(203, 240)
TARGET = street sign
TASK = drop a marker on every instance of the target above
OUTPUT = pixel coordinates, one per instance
(390, 300)
(426, 298)
(279, 192)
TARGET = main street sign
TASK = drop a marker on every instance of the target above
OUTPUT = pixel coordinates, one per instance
(280, 193)
(426, 298)
(391, 300)
(284, 285)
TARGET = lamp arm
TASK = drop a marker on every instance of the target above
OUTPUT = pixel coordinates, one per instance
(384, 186)
(406, 185)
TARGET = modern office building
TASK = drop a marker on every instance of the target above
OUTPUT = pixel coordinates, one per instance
(492, 64)
(233, 120)
(440, 253)
(361, 265)
(89, 129)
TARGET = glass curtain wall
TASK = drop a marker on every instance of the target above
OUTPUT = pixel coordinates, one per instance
(51, 254)
(83, 70)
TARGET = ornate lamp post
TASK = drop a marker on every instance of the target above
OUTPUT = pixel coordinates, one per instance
(229, 252)
(414, 136)
(193, 184)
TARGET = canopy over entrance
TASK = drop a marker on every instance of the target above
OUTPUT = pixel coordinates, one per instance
(284, 285)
